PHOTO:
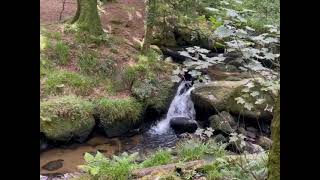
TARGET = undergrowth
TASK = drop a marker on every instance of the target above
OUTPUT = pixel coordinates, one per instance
(161, 157)
(64, 82)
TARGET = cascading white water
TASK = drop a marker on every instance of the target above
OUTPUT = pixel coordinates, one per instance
(181, 106)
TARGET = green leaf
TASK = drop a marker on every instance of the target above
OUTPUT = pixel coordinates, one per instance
(240, 100)
(260, 101)
(248, 106)
(223, 32)
(88, 157)
(254, 93)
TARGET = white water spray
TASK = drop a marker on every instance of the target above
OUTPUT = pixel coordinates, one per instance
(181, 106)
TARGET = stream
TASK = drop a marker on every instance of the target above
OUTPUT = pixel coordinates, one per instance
(59, 161)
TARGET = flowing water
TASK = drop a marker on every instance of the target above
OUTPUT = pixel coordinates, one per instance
(159, 135)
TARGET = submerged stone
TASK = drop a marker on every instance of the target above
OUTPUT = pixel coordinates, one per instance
(183, 124)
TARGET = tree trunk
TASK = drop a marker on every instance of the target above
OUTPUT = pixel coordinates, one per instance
(149, 23)
(87, 18)
(274, 156)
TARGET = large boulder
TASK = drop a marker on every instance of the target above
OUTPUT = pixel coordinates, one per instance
(118, 116)
(183, 124)
(66, 118)
(232, 96)
(223, 122)
(151, 83)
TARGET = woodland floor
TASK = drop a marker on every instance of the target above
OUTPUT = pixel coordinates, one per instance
(123, 20)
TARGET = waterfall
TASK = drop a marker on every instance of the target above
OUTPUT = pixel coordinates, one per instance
(181, 106)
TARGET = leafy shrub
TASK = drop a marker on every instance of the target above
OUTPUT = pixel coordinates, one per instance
(61, 51)
(117, 168)
(62, 81)
(161, 157)
(241, 168)
(62, 118)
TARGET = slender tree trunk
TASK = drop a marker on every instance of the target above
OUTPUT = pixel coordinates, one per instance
(76, 16)
(149, 23)
(274, 156)
(87, 18)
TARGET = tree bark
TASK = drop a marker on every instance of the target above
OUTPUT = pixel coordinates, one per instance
(87, 18)
(274, 156)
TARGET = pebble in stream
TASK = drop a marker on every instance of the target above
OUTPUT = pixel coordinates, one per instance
(53, 165)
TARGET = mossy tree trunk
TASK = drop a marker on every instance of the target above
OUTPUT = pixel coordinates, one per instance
(274, 156)
(149, 23)
(87, 18)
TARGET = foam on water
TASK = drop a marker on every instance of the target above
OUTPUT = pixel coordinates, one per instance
(181, 106)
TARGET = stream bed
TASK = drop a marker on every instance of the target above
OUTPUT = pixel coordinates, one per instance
(61, 160)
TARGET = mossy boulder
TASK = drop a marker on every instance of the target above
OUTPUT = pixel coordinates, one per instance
(118, 116)
(66, 117)
(222, 96)
(178, 32)
(151, 82)
(156, 95)
(223, 122)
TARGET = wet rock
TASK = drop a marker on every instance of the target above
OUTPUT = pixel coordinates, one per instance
(253, 148)
(168, 59)
(183, 124)
(43, 143)
(264, 142)
(220, 138)
(248, 134)
(223, 122)
(252, 129)
(53, 165)
(248, 147)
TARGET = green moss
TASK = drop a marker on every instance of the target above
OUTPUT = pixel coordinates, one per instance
(61, 81)
(149, 81)
(62, 118)
(117, 116)
(274, 156)
(112, 110)
(87, 18)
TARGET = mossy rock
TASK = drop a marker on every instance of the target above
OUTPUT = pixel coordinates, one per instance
(67, 117)
(220, 96)
(223, 122)
(156, 96)
(118, 116)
